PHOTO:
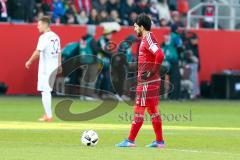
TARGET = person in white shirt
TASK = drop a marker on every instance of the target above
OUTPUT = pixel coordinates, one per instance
(164, 12)
(49, 53)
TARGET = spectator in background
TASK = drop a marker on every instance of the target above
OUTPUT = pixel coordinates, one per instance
(65, 11)
(93, 19)
(115, 16)
(121, 64)
(127, 11)
(43, 7)
(58, 11)
(176, 19)
(191, 61)
(132, 19)
(100, 5)
(29, 8)
(172, 5)
(193, 46)
(16, 10)
(142, 7)
(164, 23)
(208, 12)
(88, 50)
(171, 47)
(112, 5)
(195, 65)
(154, 12)
(183, 7)
(104, 82)
(70, 14)
(82, 18)
(39, 14)
(103, 16)
(3, 11)
(85, 5)
(119, 70)
(164, 12)
(46, 6)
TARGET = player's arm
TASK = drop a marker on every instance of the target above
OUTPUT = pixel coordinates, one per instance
(34, 56)
(36, 53)
(59, 62)
(159, 56)
(59, 58)
(158, 59)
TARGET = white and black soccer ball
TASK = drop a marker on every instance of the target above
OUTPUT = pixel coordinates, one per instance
(89, 138)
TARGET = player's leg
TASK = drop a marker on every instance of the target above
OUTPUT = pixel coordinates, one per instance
(47, 102)
(136, 125)
(157, 126)
(45, 85)
(137, 122)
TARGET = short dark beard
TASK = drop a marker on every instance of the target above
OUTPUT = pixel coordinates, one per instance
(139, 34)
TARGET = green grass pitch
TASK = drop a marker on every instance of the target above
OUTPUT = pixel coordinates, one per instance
(206, 130)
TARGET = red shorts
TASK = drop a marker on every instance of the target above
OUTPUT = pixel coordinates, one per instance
(147, 95)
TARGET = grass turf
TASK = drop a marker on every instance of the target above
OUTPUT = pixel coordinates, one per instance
(210, 130)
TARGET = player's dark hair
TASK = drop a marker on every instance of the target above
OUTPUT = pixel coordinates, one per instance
(144, 20)
(45, 19)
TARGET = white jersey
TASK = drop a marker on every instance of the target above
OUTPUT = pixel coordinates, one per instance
(50, 48)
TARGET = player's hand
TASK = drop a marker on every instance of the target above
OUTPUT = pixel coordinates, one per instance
(59, 70)
(28, 64)
(147, 74)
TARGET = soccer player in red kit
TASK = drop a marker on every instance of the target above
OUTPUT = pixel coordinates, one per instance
(150, 58)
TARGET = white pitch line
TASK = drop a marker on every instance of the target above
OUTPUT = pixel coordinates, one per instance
(200, 151)
(168, 149)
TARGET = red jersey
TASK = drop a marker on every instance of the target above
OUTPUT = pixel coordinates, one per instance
(147, 92)
(146, 57)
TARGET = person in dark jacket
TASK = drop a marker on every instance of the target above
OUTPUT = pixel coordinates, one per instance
(193, 46)
(120, 65)
(193, 60)
(88, 50)
(142, 7)
(172, 46)
(104, 55)
(29, 8)
(112, 5)
(126, 10)
(16, 10)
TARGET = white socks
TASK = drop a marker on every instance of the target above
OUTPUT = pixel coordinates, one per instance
(47, 101)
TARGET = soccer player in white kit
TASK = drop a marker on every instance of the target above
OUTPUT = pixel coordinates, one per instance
(49, 53)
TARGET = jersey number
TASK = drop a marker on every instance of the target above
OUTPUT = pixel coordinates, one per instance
(55, 45)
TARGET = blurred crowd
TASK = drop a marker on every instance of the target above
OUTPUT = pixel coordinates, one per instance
(112, 67)
(162, 12)
(181, 64)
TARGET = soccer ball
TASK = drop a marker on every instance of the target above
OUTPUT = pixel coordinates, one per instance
(89, 138)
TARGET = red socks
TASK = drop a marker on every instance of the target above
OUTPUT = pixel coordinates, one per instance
(136, 125)
(157, 126)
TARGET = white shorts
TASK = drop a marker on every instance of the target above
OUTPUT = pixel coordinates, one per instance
(46, 82)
